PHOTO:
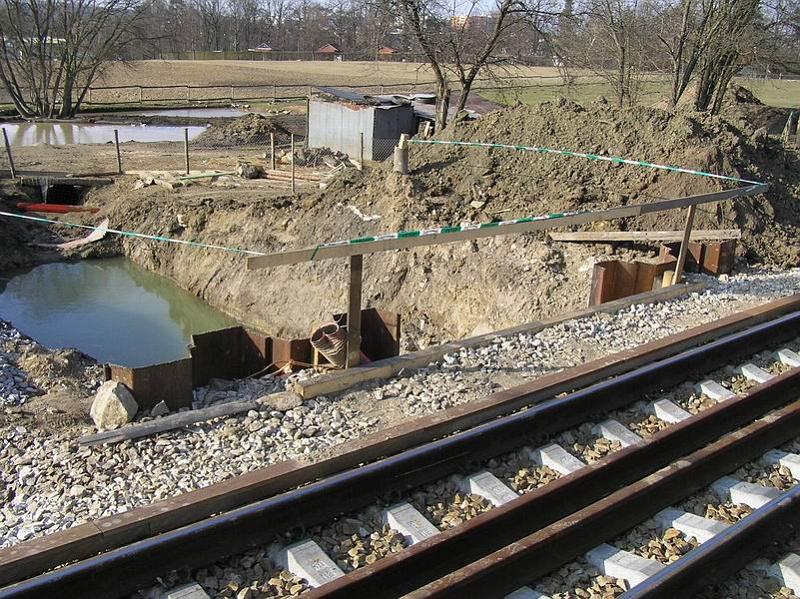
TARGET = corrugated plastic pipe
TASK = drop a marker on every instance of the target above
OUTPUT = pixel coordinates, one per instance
(331, 341)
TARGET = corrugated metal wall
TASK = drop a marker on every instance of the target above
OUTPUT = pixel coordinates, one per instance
(338, 127)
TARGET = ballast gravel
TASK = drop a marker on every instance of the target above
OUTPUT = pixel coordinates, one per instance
(49, 483)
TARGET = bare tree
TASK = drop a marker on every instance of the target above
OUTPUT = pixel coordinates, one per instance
(684, 31)
(460, 46)
(606, 37)
(52, 50)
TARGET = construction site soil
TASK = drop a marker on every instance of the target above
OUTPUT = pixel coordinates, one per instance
(450, 291)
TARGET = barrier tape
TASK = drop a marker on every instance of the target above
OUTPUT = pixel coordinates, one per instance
(465, 227)
(613, 159)
(207, 246)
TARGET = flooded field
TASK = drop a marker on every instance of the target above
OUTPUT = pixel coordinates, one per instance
(59, 134)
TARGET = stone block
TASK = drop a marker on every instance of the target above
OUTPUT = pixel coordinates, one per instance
(623, 564)
(556, 457)
(614, 430)
(307, 560)
(691, 525)
(490, 487)
(728, 488)
(668, 411)
(406, 520)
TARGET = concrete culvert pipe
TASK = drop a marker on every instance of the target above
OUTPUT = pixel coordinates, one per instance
(331, 341)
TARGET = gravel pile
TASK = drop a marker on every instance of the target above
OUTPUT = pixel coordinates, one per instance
(15, 386)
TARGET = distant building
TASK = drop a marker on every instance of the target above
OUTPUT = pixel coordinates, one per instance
(341, 120)
(474, 22)
(261, 48)
(328, 49)
(387, 50)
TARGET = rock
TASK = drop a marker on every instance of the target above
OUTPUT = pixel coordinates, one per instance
(281, 401)
(249, 171)
(113, 406)
(160, 409)
(760, 136)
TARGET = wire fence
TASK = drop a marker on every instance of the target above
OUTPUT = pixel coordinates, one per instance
(93, 149)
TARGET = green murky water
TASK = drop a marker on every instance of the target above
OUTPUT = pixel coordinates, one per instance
(110, 309)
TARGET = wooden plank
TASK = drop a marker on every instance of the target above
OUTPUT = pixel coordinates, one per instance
(604, 236)
(32, 557)
(166, 423)
(381, 369)
(684, 245)
(345, 248)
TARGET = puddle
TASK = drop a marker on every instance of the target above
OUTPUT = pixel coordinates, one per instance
(110, 309)
(59, 134)
(194, 113)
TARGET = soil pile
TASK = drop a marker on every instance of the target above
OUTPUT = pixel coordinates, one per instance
(251, 128)
(452, 184)
(740, 105)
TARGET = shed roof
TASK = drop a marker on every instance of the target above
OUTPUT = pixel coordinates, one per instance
(328, 49)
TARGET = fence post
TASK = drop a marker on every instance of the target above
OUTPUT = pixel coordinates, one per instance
(140, 94)
(274, 94)
(8, 153)
(186, 148)
(272, 150)
(119, 156)
(684, 245)
(401, 155)
(293, 157)
(308, 119)
(361, 149)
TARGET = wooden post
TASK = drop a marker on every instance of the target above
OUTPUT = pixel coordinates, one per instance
(186, 148)
(354, 311)
(119, 156)
(8, 153)
(684, 245)
(272, 150)
(140, 94)
(361, 149)
(401, 155)
(308, 119)
(293, 157)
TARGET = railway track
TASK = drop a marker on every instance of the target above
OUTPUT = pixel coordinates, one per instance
(499, 507)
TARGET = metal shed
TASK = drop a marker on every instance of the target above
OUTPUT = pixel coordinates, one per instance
(337, 118)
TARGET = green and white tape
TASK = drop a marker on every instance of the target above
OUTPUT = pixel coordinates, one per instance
(197, 244)
(612, 159)
(439, 230)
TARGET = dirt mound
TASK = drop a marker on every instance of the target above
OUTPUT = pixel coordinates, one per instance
(451, 184)
(740, 105)
(251, 128)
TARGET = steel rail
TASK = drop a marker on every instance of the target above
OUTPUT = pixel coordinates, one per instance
(726, 553)
(545, 550)
(455, 548)
(124, 569)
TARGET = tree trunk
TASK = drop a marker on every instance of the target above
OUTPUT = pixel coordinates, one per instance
(442, 104)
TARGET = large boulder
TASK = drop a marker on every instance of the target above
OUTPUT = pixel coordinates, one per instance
(113, 406)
